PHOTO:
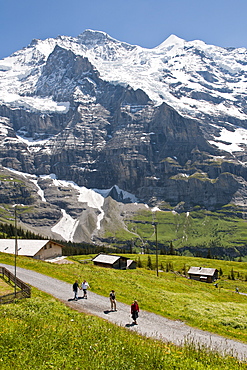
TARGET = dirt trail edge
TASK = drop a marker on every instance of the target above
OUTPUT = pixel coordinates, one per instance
(149, 324)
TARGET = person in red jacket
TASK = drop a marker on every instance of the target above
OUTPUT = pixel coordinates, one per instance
(134, 311)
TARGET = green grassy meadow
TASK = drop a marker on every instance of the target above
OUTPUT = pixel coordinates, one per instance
(192, 233)
(218, 310)
(5, 288)
(42, 333)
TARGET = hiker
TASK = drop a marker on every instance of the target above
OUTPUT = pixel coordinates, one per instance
(75, 290)
(84, 287)
(237, 290)
(134, 311)
(113, 300)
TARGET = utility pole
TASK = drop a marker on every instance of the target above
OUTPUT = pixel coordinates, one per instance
(16, 247)
(156, 244)
(156, 240)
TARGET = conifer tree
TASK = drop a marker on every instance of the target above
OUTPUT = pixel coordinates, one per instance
(149, 263)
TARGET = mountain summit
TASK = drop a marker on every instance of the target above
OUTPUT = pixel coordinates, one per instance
(165, 125)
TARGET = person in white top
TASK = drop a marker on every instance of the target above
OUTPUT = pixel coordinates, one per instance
(84, 287)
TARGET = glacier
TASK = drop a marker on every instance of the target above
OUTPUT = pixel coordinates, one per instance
(194, 64)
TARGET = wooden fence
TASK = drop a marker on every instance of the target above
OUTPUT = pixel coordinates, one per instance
(25, 291)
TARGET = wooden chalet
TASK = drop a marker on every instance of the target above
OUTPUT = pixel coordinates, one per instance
(38, 249)
(115, 262)
(207, 275)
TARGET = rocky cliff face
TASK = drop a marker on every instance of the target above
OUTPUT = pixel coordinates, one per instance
(81, 111)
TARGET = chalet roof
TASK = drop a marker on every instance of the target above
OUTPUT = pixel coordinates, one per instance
(26, 247)
(106, 258)
(202, 271)
(129, 262)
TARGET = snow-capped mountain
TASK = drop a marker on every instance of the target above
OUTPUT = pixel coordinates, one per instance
(194, 78)
(167, 124)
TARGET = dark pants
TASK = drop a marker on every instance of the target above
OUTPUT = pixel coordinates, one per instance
(134, 315)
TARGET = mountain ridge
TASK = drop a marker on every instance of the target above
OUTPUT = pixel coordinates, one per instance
(167, 124)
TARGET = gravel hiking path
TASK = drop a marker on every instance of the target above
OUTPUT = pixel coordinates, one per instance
(149, 324)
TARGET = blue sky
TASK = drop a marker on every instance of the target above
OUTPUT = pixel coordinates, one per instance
(143, 22)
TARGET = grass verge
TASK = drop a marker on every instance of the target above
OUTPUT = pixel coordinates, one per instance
(41, 333)
(198, 304)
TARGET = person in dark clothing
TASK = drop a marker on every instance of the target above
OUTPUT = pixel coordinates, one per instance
(75, 290)
(113, 300)
(134, 311)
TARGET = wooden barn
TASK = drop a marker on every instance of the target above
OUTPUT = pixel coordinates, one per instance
(115, 262)
(38, 249)
(207, 275)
